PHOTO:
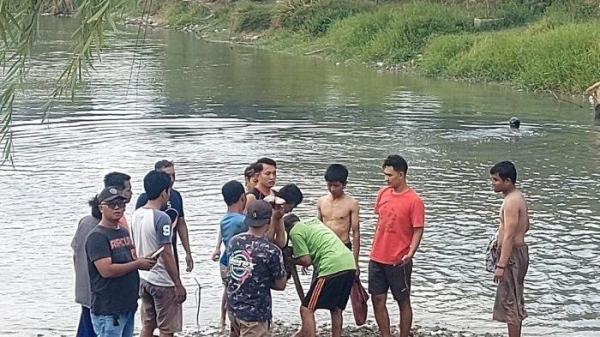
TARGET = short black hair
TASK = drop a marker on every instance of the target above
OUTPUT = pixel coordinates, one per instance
(232, 192)
(266, 161)
(155, 182)
(94, 205)
(252, 169)
(161, 164)
(291, 194)
(336, 173)
(397, 162)
(505, 170)
(117, 179)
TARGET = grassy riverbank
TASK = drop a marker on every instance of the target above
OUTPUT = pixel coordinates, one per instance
(532, 44)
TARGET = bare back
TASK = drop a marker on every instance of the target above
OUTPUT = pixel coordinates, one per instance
(337, 214)
(514, 218)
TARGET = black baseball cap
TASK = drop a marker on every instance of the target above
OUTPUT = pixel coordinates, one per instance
(110, 193)
(258, 214)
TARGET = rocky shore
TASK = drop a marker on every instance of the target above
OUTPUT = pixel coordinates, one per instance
(281, 329)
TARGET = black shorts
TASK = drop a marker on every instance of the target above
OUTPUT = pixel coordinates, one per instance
(330, 292)
(395, 277)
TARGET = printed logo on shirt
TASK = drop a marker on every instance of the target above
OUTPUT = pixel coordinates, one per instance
(121, 242)
(241, 266)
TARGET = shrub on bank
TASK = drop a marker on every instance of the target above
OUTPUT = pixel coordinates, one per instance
(179, 14)
(315, 18)
(562, 58)
(251, 17)
(396, 33)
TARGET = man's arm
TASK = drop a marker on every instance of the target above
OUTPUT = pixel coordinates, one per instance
(319, 214)
(217, 253)
(414, 244)
(182, 230)
(276, 232)
(279, 284)
(355, 227)
(304, 261)
(249, 199)
(168, 260)
(509, 230)
(107, 269)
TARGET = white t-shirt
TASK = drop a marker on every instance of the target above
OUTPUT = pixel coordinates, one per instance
(151, 229)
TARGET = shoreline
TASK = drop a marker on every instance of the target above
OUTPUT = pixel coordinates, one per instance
(281, 329)
(213, 31)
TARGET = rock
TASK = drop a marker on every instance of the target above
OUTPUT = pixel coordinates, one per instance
(380, 64)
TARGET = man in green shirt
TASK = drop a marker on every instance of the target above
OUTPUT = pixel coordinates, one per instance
(317, 245)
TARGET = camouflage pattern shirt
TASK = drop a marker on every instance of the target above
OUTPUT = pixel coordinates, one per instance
(254, 263)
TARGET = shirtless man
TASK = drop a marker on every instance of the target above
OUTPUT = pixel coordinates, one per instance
(339, 211)
(511, 268)
(267, 175)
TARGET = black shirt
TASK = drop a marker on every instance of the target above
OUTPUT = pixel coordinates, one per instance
(115, 295)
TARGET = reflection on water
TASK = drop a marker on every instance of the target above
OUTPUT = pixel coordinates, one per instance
(214, 109)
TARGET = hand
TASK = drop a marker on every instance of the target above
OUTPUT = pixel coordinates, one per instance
(180, 293)
(278, 212)
(189, 261)
(498, 275)
(144, 263)
(216, 255)
(406, 258)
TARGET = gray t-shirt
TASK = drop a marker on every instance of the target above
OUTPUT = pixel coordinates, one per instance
(152, 229)
(83, 294)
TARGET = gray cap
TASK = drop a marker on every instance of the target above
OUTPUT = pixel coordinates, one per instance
(110, 193)
(258, 214)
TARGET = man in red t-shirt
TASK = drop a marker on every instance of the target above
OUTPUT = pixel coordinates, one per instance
(397, 236)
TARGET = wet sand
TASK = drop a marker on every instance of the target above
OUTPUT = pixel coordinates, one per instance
(281, 329)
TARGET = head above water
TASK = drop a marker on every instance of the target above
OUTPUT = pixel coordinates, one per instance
(514, 123)
(504, 176)
(267, 174)
(394, 170)
(120, 180)
(157, 186)
(233, 192)
(292, 195)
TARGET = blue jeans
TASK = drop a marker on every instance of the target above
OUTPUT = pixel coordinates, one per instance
(85, 328)
(113, 326)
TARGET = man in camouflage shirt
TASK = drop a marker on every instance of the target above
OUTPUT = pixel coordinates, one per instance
(255, 267)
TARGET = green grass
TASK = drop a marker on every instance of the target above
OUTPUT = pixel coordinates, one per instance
(395, 34)
(316, 18)
(562, 58)
(251, 17)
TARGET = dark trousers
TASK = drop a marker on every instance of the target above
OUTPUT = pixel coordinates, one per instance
(85, 328)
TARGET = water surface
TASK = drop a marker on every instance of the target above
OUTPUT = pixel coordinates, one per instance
(214, 109)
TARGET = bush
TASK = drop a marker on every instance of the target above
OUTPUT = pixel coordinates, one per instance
(316, 18)
(180, 14)
(249, 17)
(443, 51)
(396, 34)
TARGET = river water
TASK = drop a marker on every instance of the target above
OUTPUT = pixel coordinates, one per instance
(214, 109)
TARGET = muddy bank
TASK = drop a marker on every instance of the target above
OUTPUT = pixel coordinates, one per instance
(281, 329)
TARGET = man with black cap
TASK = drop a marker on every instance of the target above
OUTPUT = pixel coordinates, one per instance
(113, 269)
(255, 267)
